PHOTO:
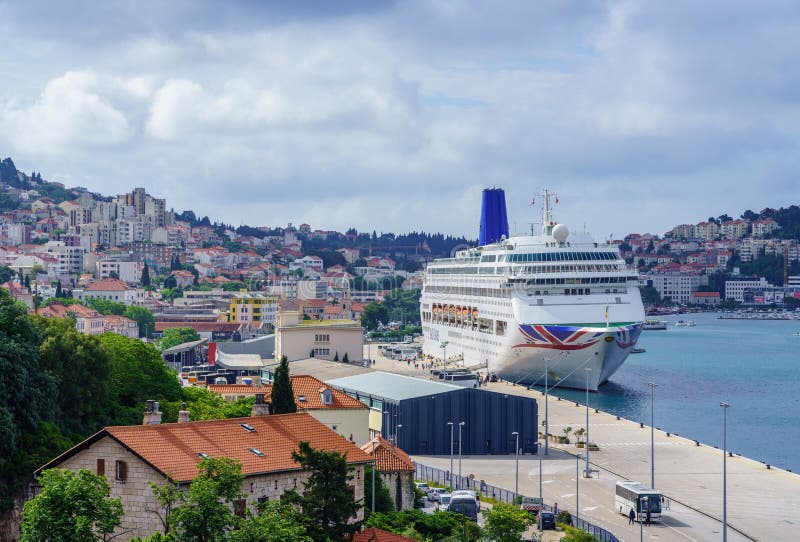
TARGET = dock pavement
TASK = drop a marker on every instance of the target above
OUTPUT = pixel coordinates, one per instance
(763, 504)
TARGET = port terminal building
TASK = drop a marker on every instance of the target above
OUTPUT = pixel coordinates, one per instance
(414, 413)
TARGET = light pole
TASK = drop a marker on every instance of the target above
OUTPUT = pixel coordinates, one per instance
(398, 427)
(451, 455)
(546, 418)
(652, 437)
(460, 425)
(724, 471)
(385, 425)
(588, 473)
(516, 454)
(577, 477)
(444, 352)
(539, 453)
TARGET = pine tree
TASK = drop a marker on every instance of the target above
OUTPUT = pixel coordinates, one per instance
(282, 393)
(345, 359)
(59, 292)
(145, 280)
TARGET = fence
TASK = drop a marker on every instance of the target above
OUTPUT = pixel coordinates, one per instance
(441, 477)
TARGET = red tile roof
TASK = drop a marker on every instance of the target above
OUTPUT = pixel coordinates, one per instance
(389, 458)
(200, 327)
(60, 311)
(173, 449)
(305, 385)
(379, 535)
(106, 285)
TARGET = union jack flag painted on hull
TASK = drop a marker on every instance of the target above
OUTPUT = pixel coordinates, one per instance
(559, 337)
(628, 335)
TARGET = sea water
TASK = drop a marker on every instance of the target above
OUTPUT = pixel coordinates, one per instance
(753, 365)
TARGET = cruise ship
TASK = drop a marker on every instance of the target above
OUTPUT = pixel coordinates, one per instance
(531, 308)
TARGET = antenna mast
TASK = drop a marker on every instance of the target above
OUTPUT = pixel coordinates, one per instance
(547, 214)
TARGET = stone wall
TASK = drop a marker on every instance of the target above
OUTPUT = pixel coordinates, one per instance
(405, 482)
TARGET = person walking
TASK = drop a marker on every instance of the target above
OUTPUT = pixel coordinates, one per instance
(631, 515)
(648, 518)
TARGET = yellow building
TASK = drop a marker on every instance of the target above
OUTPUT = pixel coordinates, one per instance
(254, 309)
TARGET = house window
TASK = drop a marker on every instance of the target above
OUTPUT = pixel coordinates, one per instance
(101, 467)
(121, 471)
(240, 507)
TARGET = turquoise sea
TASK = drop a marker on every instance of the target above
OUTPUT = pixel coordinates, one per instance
(752, 365)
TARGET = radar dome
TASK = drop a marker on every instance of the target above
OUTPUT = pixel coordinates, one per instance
(560, 233)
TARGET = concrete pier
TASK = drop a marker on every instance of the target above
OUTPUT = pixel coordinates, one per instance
(762, 503)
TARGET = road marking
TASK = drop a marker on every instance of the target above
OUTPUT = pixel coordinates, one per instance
(590, 508)
(567, 496)
(679, 532)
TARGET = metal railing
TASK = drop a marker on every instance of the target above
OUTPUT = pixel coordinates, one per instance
(441, 477)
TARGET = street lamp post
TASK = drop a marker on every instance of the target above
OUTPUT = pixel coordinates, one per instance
(451, 455)
(588, 473)
(577, 477)
(516, 454)
(652, 437)
(460, 425)
(444, 352)
(546, 418)
(385, 426)
(724, 471)
(539, 453)
(398, 427)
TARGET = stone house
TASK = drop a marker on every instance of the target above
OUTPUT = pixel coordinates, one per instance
(133, 456)
(396, 470)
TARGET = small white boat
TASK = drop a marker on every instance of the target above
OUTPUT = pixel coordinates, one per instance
(685, 323)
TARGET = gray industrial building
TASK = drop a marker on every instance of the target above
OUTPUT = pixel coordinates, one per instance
(416, 412)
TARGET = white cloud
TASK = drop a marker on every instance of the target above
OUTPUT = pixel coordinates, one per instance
(69, 113)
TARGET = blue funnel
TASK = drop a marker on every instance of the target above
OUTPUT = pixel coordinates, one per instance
(494, 219)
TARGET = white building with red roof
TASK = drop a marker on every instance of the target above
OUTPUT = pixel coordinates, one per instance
(111, 290)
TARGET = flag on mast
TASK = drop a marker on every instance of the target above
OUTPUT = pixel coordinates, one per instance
(533, 200)
(556, 200)
(606, 315)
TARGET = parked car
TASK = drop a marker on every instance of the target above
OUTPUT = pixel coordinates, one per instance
(464, 503)
(423, 487)
(546, 521)
(435, 492)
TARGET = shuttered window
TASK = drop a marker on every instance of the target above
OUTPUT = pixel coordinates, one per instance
(101, 467)
(121, 471)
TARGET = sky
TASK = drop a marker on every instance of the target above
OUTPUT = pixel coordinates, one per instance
(393, 116)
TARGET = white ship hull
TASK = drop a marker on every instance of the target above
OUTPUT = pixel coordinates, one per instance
(564, 349)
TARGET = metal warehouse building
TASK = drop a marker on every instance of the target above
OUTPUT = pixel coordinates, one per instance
(416, 412)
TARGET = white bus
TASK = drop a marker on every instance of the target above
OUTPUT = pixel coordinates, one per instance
(634, 496)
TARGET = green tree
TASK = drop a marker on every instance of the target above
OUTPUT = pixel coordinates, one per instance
(170, 282)
(282, 392)
(145, 279)
(6, 274)
(178, 335)
(81, 367)
(373, 314)
(143, 318)
(59, 291)
(169, 497)
(345, 359)
(104, 306)
(327, 504)
(137, 374)
(206, 514)
(275, 522)
(383, 498)
(26, 392)
(505, 523)
(577, 535)
(206, 405)
(650, 295)
(71, 507)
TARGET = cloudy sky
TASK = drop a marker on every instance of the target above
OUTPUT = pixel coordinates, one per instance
(394, 115)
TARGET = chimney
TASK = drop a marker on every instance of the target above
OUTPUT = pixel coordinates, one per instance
(151, 415)
(261, 407)
(183, 414)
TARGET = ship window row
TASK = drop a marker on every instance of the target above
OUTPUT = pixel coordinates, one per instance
(596, 268)
(559, 256)
(581, 280)
(480, 292)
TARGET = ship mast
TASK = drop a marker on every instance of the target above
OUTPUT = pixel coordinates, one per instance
(547, 214)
